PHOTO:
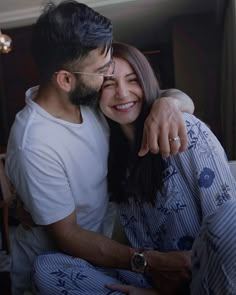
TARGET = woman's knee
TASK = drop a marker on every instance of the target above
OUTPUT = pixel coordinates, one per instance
(220, 227)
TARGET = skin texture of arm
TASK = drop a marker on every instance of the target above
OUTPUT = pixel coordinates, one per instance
(183, 101)
(165, 121)
(88, 245)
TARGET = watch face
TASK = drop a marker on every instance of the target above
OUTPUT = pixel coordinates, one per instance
(138, 262)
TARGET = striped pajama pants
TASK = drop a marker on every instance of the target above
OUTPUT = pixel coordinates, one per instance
(58, 273)
(213, 264)
(214, 254)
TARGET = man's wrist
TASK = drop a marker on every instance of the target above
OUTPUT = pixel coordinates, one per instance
(174, 101)
(154, 260)
(182, 101)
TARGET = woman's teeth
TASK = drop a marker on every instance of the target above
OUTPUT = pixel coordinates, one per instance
(124, 106)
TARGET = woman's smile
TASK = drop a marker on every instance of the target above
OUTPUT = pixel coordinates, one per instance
(122, 96)
(124, 107)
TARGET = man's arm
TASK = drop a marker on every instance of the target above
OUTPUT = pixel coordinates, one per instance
(165, 122)
(89, 245)
(181, 99)
(169, 271)
(102, 251)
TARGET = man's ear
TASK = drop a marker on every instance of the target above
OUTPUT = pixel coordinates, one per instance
(65, 80)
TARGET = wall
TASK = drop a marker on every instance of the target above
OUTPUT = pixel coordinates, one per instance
(162, 63)
(17, 73)
(196, 51)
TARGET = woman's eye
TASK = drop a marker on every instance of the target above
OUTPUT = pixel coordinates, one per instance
(135, 80)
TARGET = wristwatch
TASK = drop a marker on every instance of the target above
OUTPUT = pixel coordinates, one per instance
(138, 262)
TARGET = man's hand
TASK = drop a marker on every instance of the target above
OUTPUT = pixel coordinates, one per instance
(131, 290)
(170, 271)
(173, 284)
(173, 261)
(165, 122)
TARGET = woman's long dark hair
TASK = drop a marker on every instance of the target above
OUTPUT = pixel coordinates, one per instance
(131, 176)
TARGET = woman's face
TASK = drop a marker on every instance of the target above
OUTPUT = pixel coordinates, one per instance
(122, 96)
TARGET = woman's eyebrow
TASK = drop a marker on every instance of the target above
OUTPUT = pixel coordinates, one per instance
(131, 74)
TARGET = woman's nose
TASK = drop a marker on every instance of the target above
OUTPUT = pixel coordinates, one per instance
(122, 91)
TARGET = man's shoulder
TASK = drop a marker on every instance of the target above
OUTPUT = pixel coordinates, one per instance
(26, 127)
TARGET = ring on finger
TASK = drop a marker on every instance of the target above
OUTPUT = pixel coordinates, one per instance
(174, 139)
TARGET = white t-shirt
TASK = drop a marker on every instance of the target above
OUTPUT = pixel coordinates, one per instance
(58, 167)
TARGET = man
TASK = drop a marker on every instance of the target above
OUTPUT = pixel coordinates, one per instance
(58, 146)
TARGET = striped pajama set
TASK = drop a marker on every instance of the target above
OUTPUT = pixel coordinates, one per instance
(196, 209)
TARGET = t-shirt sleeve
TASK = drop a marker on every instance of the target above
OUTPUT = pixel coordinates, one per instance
(205, 168)
(42, 185)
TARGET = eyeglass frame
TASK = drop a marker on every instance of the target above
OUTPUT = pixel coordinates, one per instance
(95, 74)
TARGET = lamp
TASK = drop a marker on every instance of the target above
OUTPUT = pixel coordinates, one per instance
(5, 47)
(5, 43)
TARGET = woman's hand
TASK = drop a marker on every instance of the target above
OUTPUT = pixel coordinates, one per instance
(131, 290)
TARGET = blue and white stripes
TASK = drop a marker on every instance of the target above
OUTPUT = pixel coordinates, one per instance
(198, 199)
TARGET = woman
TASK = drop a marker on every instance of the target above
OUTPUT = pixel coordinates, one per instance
(162, 201)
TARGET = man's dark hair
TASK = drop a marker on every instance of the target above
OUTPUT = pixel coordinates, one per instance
(66, 33)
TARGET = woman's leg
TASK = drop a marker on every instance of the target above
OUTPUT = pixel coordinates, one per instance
(214, 253)
(57, 273)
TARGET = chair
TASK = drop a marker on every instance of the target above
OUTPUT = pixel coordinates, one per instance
(232, 165)
(7, 193)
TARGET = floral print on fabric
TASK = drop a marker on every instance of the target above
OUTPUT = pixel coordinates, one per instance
(195, 184)
(73, 277)
(206, 177)
(223, 195)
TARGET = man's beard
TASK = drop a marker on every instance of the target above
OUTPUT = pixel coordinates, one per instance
(84, 95)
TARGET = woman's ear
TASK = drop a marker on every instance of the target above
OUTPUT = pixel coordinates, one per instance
(65, 80)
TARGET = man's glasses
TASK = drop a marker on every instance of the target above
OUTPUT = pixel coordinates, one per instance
(108, 74)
